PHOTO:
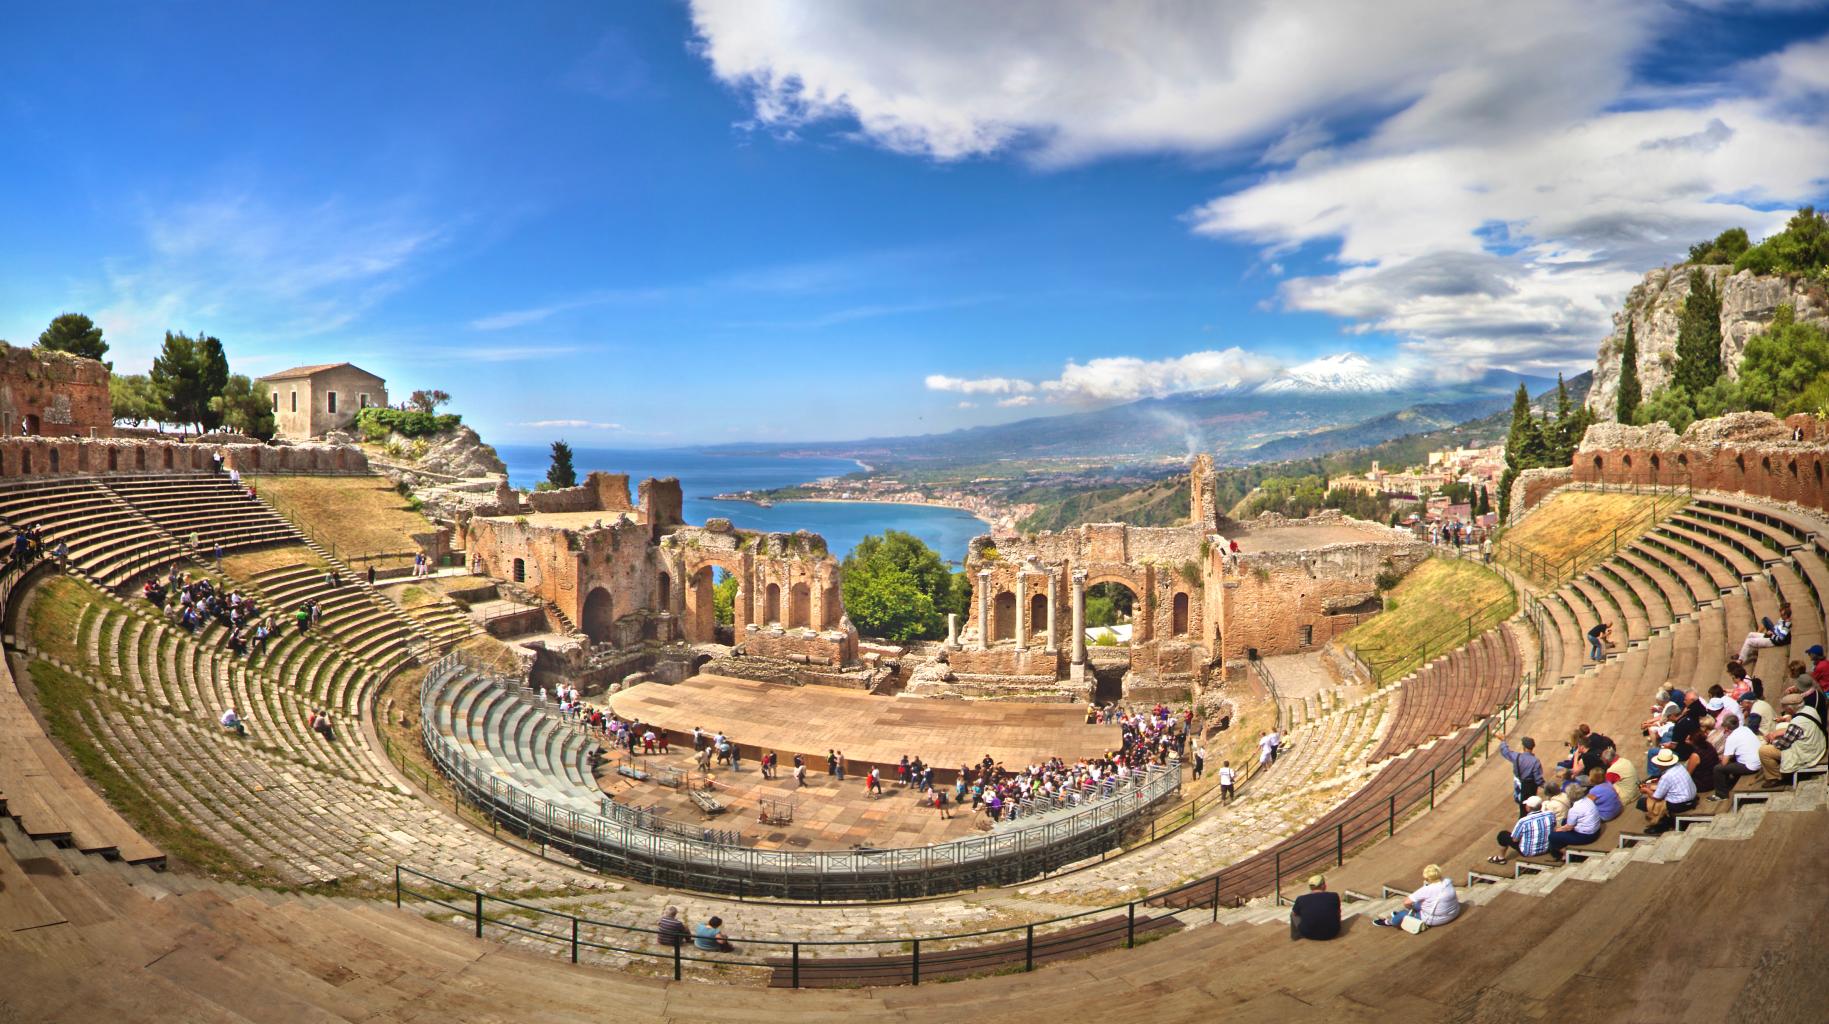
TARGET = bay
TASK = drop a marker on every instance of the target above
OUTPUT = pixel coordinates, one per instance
(703, 474)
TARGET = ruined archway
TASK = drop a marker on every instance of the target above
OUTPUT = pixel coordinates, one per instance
(771, 604)
(1178, 617)
(1003, 616)
(599, 615)
(29, 426)
(1115, 620)
(1038, 614)
(665, 593)
(800, 605)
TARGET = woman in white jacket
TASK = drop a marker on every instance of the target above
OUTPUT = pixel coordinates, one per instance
(1433, 904)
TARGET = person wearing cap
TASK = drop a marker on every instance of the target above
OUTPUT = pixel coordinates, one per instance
(1673, 793)
(1526, 769)
(1531, 835)
(1797, 746)
(1316, 913)
(1756, 712)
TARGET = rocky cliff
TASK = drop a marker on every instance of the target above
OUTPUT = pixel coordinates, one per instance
(1654, 306)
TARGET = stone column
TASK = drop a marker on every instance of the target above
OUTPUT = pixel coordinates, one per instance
(1079, 617)
(1022, 610)
(984, 609)
(1053, 585)
(952, 631)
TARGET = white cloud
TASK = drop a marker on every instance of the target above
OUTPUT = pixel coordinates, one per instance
(241, 266)
(979, 386)
(1124, 378)
(966, 405)
(1121, 378)
(569, 425)
(1069, 80)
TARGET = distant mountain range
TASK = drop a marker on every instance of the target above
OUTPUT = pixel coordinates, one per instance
(1336, 402)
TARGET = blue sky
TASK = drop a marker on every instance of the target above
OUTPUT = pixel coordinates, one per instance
(666, 223)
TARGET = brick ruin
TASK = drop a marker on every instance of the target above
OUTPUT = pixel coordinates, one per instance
(85, 456)
(1750, 452)
(632, 576)
(53, 394)
(1198, 611)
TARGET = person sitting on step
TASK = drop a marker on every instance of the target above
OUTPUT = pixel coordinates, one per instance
(1796, 745)
(1584, 824)
(1432, 905)
(232, 722)
(1530, 836)
(1739, 757)
(1771, 634)
(710, 936)
(1607, 800)
(1316, 913)
(1670, 793)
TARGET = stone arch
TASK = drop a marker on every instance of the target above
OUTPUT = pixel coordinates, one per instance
(139, 457)
(1038, 613)
(771, 604)
(29, 426)
(665, 587)
(1740, 463)
(599, 614)
(168, 456)
(800, 605)
(1003, 616)
(1765, 464)
(701, 619)
(1178, 624)
(1627, 459)
(1600, 464)
(520, 570)
(56, 460)
(1683, 461)
(114, 460)
(832, 607)
(1656, 463)
(1138, 617)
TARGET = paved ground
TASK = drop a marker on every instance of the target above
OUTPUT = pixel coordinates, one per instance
(827, 814)
(810, 720)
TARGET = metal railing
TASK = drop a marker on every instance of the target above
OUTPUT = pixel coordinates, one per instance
(1553, 570)
(903, 959)
(997, 858)
(1381, 660)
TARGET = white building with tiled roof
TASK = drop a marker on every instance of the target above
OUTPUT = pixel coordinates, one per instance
(310, 401)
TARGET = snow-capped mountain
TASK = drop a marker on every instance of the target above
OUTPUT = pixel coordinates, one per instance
(1346, 372)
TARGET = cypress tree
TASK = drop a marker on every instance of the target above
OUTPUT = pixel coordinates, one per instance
(1699, 336)
(1629, 391)
(561, 473)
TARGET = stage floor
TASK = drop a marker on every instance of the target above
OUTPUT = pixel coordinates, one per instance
(809, 720)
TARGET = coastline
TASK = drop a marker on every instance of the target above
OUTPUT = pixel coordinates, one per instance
(778, 502)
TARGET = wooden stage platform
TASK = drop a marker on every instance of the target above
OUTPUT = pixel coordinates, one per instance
(871, 730)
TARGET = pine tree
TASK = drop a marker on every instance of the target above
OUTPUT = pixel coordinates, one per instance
(1629, 391)
(1517, 445)
(561, 473)
(1699, 336)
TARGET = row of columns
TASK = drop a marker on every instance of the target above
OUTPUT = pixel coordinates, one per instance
(1022, 612)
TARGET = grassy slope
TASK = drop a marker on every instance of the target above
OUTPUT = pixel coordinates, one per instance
(1426, 615)
(356, 514)
(1572, 522)
(71, 707)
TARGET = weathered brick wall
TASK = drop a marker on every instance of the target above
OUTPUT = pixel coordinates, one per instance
(82, 456)
(600, 492)
(830, 648)
(1532, 486)
(1275, 594)
(1753, 453)
(54, 394)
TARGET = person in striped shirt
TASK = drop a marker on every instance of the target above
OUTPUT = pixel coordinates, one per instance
(1531, 835)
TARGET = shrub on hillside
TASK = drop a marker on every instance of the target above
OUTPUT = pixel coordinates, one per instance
(376, 423)
(1801, 248)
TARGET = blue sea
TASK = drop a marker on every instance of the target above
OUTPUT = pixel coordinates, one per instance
(704, 474)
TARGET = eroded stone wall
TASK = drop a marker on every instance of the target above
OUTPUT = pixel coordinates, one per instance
(83, 456)
(1753, 453)
(53, 394)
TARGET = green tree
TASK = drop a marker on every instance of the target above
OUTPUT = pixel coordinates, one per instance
(427, 401)
(1629, 390)
(724, 600)
(135, 399)
(1781, 364)
(561, 473)
(1524, 446)
(178, 377)
(212, 378)
(1801, 248)
(76, 334)
(898, 588)
(1725, 247)
(1699, 336)
(245, 406)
